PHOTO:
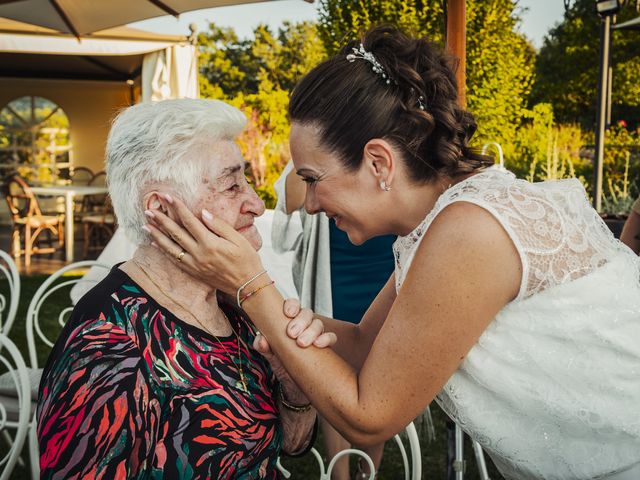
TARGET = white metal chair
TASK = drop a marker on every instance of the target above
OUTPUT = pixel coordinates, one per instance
(10, 306)
(412, 470)
(498, 148)
(35, 330)
(12, 365)
(51, 288)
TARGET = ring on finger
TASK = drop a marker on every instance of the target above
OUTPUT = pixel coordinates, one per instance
(180, 256)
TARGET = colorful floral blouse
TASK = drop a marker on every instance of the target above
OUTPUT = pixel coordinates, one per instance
(131, 391)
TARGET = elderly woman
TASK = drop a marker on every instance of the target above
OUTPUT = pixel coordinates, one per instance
(155, 374)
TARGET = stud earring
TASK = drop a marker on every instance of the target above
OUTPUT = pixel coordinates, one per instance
(384, 186)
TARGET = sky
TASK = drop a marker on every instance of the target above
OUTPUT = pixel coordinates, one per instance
(538, 17)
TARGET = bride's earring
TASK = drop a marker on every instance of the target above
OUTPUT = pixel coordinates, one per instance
(384, 186)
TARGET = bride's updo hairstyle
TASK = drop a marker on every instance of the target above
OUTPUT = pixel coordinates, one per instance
(409, 98)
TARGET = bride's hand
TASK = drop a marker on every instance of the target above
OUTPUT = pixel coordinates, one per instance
(214, 251)
(304, 328)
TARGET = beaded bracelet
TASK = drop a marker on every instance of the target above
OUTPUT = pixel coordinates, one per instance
(255, 291)
(239, 291)
(290, 406)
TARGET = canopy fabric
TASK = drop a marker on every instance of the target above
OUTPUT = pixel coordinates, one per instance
(82, 17)
(114, 54)
(170, 73)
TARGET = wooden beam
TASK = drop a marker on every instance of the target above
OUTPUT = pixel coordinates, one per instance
(457, 42)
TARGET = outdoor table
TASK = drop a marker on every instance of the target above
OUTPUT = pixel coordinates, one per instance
(69, 192)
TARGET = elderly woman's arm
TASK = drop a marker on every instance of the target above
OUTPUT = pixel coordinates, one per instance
(297, 416)
(298, 419)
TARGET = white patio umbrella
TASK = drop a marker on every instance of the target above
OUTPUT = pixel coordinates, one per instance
(83, 17)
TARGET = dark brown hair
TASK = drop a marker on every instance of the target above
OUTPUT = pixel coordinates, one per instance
(350, 104)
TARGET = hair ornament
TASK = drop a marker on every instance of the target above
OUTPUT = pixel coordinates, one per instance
(421, 104)
(377, 68)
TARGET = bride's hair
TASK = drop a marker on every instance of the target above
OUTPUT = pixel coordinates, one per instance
(414, 105)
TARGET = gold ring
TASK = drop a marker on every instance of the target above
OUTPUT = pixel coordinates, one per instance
(180, 255)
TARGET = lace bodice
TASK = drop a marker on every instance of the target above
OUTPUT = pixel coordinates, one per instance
(559, 237)
(552, 387)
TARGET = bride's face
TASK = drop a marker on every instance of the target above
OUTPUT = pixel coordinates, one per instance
(343, 195)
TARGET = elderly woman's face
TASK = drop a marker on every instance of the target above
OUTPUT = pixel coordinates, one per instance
(226, 193)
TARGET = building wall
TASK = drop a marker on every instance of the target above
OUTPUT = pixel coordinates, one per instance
(89, 105)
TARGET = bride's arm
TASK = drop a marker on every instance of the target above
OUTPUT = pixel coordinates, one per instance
(465, 270)
(353, 340)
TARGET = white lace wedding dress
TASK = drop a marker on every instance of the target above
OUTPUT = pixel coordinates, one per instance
(551, 390)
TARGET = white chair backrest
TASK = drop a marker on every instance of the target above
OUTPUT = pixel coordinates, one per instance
(11, 361)
(9, 307)
(412, 470)
(35, 328)
(497, 147)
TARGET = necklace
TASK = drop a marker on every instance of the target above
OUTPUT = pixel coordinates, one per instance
(241, 384)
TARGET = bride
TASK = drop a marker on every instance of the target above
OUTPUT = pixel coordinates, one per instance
(511, 304)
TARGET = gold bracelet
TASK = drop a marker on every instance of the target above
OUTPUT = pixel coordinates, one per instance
(290, 406)
(252, 293)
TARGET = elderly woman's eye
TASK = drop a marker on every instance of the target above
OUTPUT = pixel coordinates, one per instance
(309, 180)
(233, 188)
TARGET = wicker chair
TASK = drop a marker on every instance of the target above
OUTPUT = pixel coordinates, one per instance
(29, 222)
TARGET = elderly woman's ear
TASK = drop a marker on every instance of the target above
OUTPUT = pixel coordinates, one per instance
(154, 200)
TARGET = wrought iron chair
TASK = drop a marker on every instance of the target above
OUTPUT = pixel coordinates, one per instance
(99, 227)
(93, 203)
(28, 221)
(15, 371)
(9, 306)
(412, 470)
(82, 176)
(54, 287)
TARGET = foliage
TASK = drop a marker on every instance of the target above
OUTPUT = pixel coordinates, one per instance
(567, 67)
(34, 138)
(256, 76)
(621, 166)
(543, 150)
(343, 21)
(500, 64)
(499, 58)
(230, 66)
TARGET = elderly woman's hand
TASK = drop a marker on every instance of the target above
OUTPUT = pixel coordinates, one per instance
(209, 249)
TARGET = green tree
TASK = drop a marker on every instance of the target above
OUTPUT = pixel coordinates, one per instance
(500, 69)
(226, 66)
(343, 21)
(567, 67)
(256, 75)
(500, 61)
(230, 66)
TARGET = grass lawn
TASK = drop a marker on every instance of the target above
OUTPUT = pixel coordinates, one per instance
(433, 454)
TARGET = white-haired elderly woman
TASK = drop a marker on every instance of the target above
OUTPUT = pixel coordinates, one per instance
(157, 375)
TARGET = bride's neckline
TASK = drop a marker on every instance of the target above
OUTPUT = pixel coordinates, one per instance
(418, 231)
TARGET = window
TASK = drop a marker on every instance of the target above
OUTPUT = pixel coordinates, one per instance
(34, 140)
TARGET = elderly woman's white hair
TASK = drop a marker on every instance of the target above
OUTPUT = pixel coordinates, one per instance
(163, 142)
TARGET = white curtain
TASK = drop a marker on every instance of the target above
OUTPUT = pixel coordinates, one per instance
(170, 73)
